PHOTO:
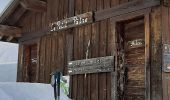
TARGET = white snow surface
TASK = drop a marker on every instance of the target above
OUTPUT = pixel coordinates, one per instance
(8, 72)
(27, 91)
(8, 52)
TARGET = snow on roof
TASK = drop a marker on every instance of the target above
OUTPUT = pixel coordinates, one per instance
(4, 4)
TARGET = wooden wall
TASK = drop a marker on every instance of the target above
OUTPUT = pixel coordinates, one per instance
(166, 40)
(57, 48)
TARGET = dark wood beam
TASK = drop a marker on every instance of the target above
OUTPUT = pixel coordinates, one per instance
(34, 35)
(10, 31)
(9, 11)
(16, 15)
(34, 5)
(125, 8)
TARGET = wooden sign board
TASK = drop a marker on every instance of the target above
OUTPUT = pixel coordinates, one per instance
(94, 65)
(166, 57)
(75, 21)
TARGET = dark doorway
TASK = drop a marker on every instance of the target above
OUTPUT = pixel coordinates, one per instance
(131, 60)
(30, 62)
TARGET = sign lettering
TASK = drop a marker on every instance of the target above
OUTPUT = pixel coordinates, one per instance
(72, 22)
(94, 65)
(166, 58)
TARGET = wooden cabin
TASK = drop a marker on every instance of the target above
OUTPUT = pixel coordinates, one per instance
(112, 49)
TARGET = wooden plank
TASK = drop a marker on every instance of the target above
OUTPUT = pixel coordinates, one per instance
(10, 31)
(65, 9)
(71, 8)
(33, 22)
(42, 59)
(114, 3)
(102, 52)
(125, 8)
(132, 15)
(48, 60)
(165, 21)
(34, 35)
(80, 56)
(93, 4)
(94, 53)
(16, 16)
(86, 49)
(108, 31)
(20, 63)
(94, 65)
(110, 49)
(74, 77)
(147, 56)
(61, 51)
(34, 5)
(114, 75)
(75, 21)
(38, 61)
(79, 49)
(156, 54)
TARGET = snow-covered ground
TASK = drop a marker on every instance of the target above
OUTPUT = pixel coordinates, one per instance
(8, 52)
(8, 61)
(27, 91)
(8, 72)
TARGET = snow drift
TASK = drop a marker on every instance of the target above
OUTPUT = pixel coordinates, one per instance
(27, 91)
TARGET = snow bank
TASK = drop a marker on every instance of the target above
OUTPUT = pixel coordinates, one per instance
(27, 91)
(8, 72)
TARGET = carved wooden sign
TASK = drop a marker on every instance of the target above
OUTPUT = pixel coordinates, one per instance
(166, 58)
(94, 65)
(72, 22)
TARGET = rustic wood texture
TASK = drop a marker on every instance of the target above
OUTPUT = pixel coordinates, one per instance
(10, 31)
(93, 65)
(34, 5)
(56, 49)
(135, 63)
(165, 40)
(125, 8)
(156, 54)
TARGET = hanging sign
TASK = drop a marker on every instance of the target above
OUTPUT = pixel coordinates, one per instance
(72, 22)
(166, 58)
(94, 65)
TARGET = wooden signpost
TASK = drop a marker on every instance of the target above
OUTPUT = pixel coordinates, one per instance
(75, 21)
(166, 58)
(94, 65)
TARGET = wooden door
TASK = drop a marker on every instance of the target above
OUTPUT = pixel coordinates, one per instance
(133, 68)
(134, 45)
(30, 62)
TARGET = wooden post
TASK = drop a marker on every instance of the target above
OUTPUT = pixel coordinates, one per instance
(114, 74)
(147, 56)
